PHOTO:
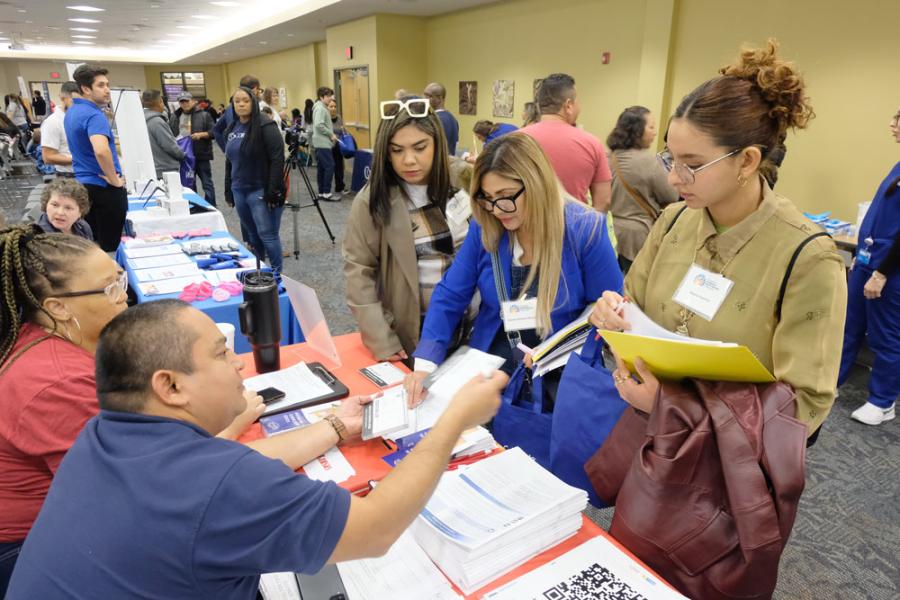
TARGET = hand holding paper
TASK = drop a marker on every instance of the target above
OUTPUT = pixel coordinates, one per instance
(350, 412)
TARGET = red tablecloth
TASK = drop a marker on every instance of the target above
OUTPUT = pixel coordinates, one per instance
(366, 457)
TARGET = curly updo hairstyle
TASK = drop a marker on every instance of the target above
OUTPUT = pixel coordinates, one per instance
(754, 102)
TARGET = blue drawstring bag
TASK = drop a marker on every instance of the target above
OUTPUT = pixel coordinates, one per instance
(522, 419)
(347, 145)
(588, 406)
(188, 177)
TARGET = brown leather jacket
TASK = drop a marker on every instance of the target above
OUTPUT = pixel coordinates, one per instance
(706, 489)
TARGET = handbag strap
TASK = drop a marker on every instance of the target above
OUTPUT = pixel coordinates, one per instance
(652, 212)
(513, 337)
(790, 267)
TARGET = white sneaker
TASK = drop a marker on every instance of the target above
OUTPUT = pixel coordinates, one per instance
(870, 414)
(327, 196)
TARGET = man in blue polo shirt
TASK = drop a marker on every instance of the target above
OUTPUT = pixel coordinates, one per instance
(147, 504)
(94, 158)
(437, 95)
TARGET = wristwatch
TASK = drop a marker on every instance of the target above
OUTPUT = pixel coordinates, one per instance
(339, 428)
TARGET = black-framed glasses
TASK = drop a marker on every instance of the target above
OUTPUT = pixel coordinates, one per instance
(686, 174)
(113, 291)
(505, 204)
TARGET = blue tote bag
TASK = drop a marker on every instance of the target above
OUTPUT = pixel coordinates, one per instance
(588, 406)
(347, 145)
(522, 419)
(188, 177)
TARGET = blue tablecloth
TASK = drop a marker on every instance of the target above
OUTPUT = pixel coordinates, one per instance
(224, 312)
(362, 169)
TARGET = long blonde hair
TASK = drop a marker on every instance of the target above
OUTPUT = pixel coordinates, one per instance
(517, 156)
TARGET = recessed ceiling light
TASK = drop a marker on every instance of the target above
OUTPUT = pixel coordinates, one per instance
(82, 29)
(85, 37)
(84, 20)
(187, 27)
(29, 22)
(22, 10)
(204, 17)
(84, 8)
(225, 3)
(177, 34)
(263, 42)
(82, 42)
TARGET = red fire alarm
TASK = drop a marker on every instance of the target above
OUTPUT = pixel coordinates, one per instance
(604, 58)
(54, 75)
(348, 52)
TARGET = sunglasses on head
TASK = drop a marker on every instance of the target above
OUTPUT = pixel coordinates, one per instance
(415, 107)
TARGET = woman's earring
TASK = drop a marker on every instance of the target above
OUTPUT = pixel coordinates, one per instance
(742, 181)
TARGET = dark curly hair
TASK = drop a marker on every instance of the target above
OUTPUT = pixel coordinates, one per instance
(629, 129)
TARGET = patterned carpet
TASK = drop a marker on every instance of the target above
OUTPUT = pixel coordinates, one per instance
(846, 541)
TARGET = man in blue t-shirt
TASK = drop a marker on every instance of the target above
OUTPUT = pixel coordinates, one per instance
(147, 504)
(437, 94)
(94, 158)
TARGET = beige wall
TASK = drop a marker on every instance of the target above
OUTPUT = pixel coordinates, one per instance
(323, 75)
(294, 70)
(120, 74)
(402, 61)
(361, 34)
(848, 54)
(214, 76)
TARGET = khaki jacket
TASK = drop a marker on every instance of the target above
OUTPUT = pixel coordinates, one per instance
(803, 349)
(382, 277)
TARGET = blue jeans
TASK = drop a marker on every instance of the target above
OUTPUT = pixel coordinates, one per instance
(324, 169)
(9, 553)
(203, 171)
(262, 224)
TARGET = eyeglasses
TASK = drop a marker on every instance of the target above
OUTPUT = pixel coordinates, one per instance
(113, 291)
(686, 174)
(415, 107)
(505, 204)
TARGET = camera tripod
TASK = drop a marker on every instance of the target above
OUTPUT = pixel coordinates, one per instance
(295, 162)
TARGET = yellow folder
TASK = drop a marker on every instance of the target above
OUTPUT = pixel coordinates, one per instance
(671, 359)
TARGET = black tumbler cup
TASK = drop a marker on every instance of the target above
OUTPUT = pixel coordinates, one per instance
(261, 319)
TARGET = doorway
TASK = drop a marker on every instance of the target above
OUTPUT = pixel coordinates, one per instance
(351, 90)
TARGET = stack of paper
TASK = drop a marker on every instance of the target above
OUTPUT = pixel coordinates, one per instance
(404, 573)
(673, 356)
(554, 352)
(487, 519)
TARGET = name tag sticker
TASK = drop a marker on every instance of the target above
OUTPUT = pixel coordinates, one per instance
(702, 292)
(458, 210)
(519, 314)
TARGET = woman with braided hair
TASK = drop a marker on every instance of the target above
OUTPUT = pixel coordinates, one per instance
(57, 292)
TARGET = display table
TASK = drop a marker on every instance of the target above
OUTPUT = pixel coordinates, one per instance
(366, 457)
(223, 312)
(362, 169)
(144, 222)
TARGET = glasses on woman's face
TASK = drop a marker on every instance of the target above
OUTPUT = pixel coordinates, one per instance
(686, 174)
(415, 107)
(505, 204)
(113, 291)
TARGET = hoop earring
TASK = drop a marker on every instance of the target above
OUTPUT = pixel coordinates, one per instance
(80, 332)
(742, 181)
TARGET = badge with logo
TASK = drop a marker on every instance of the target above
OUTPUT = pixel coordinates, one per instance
(702, 292)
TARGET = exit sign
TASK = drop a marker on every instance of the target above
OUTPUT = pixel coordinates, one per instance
(54, 75)
(348, 52)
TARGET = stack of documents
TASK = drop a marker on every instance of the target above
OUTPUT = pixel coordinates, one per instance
(487, 519)
(554, 352)
(673, 356)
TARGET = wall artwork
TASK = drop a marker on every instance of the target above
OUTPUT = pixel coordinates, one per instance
(468, 97)
(504, 97)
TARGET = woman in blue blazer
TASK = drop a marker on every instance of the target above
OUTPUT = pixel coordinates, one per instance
(554, 255)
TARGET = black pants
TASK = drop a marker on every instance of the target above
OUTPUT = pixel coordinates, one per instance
(107, 215)
(9, 553)
(338, 168)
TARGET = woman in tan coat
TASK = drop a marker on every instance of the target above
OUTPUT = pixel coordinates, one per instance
(404, 229)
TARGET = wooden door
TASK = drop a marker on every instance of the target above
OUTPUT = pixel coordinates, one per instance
(352, 88)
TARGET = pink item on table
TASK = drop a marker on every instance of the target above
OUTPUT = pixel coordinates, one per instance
(179, 234)
(234, 288)
(196, 291)
(202, 232)
(220, 294)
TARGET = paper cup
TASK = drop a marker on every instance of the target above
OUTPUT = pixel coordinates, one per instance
(227, 330)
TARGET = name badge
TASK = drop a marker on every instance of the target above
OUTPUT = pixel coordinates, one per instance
(702, 292)
(458, 210)
(519, 314)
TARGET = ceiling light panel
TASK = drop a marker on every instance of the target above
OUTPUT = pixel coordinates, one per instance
(84, 20)
(84, 8)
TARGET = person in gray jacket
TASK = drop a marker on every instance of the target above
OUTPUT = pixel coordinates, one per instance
(167, 155)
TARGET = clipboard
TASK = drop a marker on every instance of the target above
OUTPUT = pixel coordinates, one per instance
(338, 391)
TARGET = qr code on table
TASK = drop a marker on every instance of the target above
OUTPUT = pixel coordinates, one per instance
(594, 583)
